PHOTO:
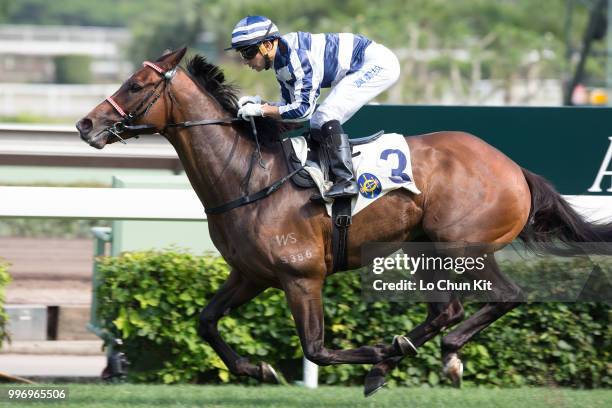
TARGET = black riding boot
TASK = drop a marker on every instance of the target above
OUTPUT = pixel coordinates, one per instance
(340, 160)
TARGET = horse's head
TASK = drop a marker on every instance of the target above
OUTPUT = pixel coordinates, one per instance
(138, 106)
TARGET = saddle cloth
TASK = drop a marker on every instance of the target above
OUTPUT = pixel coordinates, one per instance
(380, 166)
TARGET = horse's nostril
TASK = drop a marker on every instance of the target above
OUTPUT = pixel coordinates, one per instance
(84, 125)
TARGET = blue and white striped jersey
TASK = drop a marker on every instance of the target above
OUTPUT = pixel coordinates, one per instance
(304, 63)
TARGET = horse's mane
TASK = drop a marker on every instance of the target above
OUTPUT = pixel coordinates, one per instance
(211, 78)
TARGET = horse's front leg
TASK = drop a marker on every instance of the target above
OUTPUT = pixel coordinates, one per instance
(304, 298)
(236, 291)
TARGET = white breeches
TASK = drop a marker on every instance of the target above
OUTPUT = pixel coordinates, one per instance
(379, 71)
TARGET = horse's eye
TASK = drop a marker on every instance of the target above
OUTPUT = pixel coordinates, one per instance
(135, 87)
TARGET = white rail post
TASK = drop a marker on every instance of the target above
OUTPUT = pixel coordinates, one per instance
(311, 374)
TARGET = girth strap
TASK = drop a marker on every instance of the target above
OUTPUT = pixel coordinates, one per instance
(251, 198)
(341, 221)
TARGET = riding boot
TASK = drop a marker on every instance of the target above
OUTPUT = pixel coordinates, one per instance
(316, 141)
(340, 161)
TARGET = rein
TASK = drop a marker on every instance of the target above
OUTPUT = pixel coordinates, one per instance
(141, 110)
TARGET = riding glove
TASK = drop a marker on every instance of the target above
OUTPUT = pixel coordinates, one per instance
(248, 99)
(250, 109)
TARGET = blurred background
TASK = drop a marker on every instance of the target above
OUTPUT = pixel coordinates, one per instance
(59, 58)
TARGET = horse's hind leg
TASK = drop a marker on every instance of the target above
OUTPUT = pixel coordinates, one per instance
(508, 296)
(440, 315)
(304, 299)
(234, 292)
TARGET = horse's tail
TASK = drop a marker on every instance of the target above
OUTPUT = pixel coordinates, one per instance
(555, 227)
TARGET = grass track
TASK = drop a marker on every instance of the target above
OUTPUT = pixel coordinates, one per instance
(135, 396)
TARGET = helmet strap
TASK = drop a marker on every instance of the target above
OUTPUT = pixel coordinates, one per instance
(266, 54)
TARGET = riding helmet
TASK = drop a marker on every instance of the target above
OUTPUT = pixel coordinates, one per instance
(253, 30)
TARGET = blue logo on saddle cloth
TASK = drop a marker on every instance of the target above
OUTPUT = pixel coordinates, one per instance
(369, 185)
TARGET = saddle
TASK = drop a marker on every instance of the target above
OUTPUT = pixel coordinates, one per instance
(341, 208)
(315, 158)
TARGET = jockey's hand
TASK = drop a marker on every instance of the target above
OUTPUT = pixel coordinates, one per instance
(248, 99)
(249, 110)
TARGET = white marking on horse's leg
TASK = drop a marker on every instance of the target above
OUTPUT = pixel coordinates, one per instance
(404, 345)
(453, 368)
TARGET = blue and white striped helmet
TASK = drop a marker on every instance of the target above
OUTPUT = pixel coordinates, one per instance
(253, 30)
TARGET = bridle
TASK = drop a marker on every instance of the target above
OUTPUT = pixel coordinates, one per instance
(126, 124)
(117, 128)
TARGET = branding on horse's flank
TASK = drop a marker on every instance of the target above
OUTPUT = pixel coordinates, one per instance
(369, 185)
(297, 257)
(603, 171)
(285, 239)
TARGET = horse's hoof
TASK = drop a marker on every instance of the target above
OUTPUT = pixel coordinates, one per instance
(267, 374)
(404, 346)
(373, 384)
(453, 368)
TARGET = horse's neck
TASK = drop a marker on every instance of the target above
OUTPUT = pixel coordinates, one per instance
(216, 158)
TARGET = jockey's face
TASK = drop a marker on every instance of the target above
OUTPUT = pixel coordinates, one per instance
(258, 62)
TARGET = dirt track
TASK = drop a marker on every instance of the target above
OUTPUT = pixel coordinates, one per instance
(48, 271)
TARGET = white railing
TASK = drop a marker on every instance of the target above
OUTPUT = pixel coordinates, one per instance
(52, 100)
(25, 32)
(157, 204)
(62, 40)
(594, 208)
(61, 145)
(64, 140)
(100, 203)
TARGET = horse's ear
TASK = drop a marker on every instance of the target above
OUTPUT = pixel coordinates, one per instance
(171, 59)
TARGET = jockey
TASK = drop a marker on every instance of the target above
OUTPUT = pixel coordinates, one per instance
(357, 68)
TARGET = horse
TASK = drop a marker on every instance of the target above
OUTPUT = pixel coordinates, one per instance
(471, 193)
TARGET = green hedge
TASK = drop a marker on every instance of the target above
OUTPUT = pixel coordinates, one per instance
(152, 301)
(5, 278)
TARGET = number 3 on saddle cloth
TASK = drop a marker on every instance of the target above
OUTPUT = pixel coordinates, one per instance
(380, 166)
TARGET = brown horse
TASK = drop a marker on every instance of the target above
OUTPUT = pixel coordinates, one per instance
(471, 193)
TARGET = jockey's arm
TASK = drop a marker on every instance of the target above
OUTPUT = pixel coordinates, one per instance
(270, 111)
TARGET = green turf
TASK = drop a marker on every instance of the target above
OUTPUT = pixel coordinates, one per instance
(134, 396)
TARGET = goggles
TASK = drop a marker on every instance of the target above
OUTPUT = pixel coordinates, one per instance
(249, 53)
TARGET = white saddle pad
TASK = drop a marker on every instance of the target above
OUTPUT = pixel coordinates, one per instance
(380, 166)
